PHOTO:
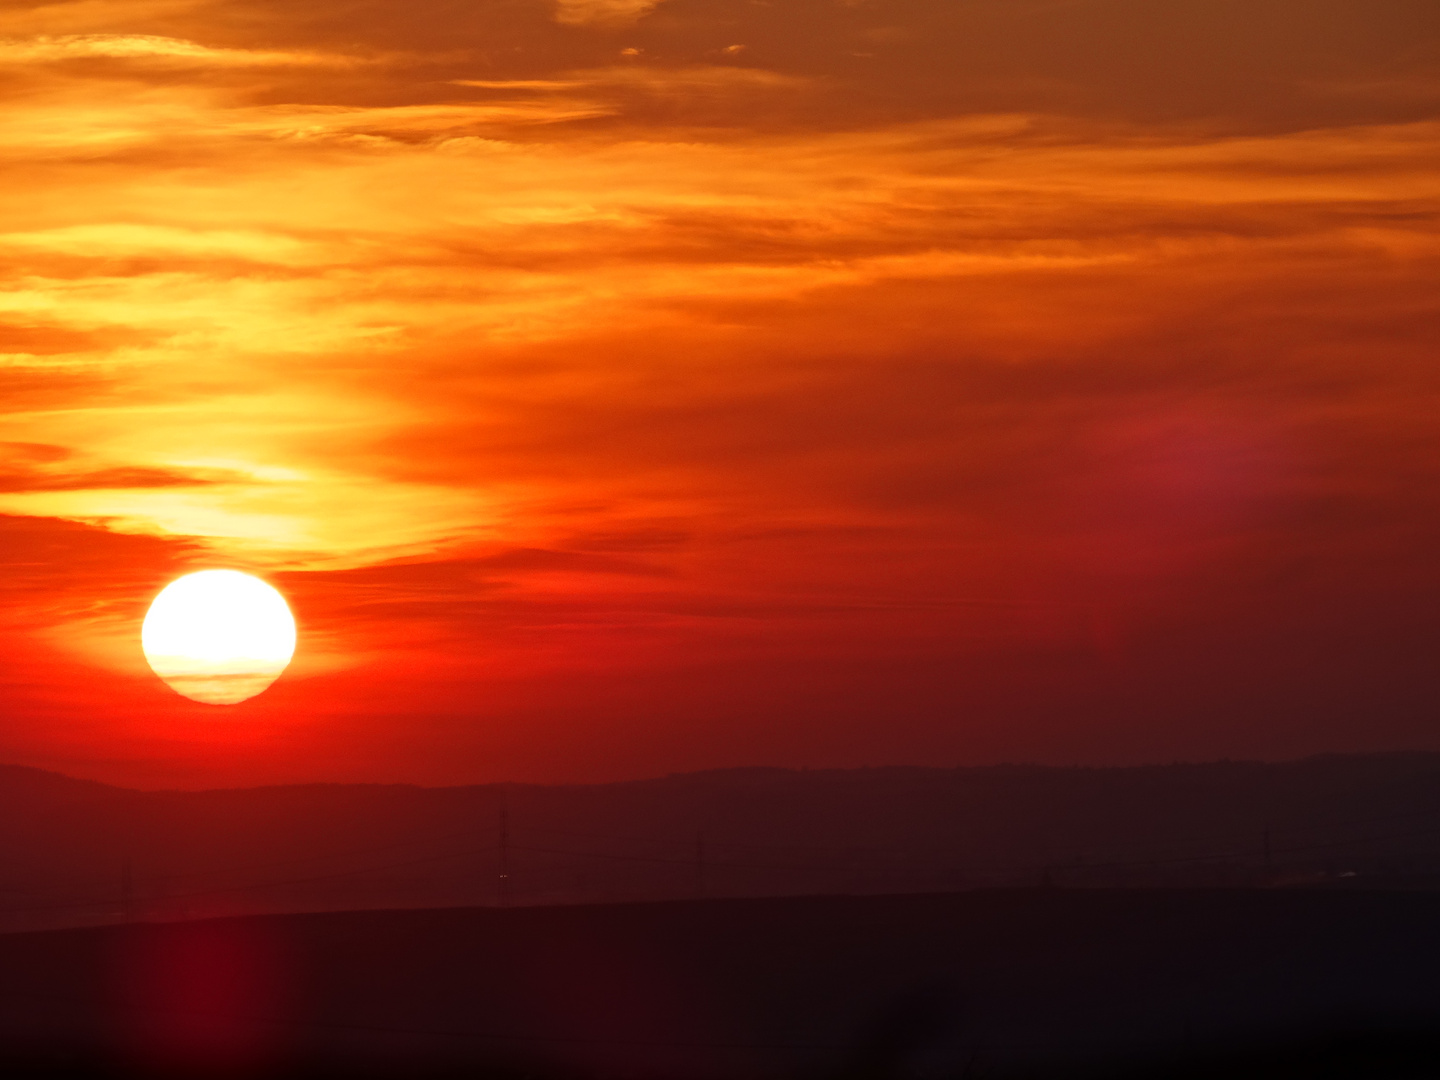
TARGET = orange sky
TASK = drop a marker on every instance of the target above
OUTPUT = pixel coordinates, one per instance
(620, 387)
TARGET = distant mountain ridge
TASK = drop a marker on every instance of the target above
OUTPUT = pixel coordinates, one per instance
(26, 777)
(81, 851)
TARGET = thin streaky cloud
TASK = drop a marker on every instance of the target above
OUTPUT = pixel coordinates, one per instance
(602, 12)
(156, 49)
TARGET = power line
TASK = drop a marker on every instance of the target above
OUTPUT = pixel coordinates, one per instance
(702, 862)
(301, 859)
(1236, 834)
(253, 886)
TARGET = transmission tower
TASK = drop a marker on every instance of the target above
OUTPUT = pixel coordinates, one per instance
(503, 881)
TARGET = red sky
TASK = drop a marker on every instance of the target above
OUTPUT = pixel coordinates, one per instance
(618, 387)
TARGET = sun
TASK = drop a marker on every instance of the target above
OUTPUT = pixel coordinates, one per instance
(218, 636)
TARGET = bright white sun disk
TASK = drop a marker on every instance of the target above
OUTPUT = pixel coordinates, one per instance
(218, 636)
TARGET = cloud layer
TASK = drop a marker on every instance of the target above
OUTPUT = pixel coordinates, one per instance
(625, 387)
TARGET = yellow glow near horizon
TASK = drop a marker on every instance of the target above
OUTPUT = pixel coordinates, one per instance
(218, 636)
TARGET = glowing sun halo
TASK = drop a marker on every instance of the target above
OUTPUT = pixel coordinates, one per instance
(218, 636)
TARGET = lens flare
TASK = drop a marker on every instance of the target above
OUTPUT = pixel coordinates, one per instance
(218, 636)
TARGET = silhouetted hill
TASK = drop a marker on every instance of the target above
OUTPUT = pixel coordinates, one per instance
(1152, 983)
(22, 782)
(74, 852)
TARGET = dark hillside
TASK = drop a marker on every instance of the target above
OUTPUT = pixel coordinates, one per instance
(74, 853)
(999, 983)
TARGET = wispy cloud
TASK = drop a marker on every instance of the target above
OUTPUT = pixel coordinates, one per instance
(154, 49)
(513, 246)
(122, 477)
(602, 12)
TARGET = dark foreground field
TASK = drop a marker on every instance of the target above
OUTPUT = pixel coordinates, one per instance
(1041, 982)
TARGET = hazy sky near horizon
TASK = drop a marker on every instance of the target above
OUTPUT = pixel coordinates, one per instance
(619, 387)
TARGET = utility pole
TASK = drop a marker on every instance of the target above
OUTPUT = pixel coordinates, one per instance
(700, 863)
(127, 891)
(503, 882)
(1265, 848)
